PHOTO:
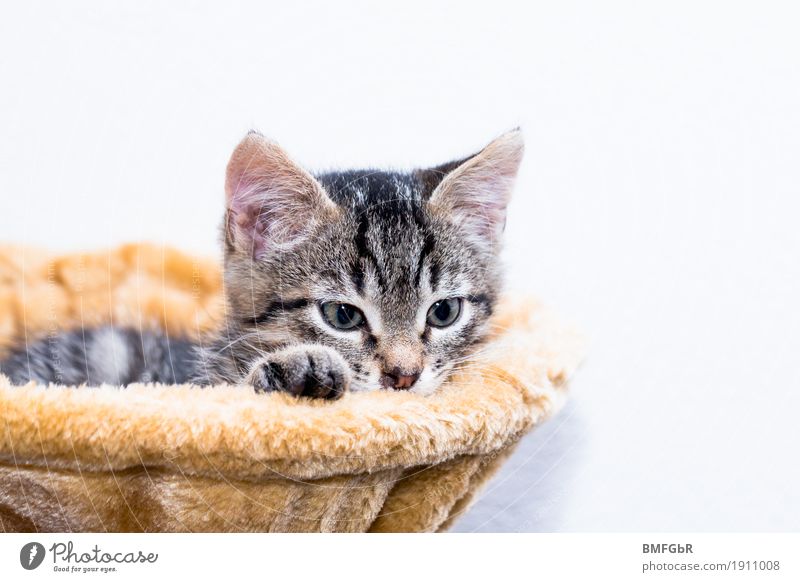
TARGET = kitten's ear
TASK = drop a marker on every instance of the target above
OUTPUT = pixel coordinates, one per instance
(272, 202)
(476, 192)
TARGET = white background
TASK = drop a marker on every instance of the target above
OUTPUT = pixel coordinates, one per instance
(657, 207)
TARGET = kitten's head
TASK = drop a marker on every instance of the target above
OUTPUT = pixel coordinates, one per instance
(396, 271)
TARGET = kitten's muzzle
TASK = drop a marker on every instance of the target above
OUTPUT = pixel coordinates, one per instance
(399, 379)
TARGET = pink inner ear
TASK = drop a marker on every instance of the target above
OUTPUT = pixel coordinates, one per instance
(477, 192)
(478, 202)
(272, 201)
(247, 225)
(268, 214)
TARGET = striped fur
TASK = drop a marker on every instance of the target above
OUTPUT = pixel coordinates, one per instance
(389, 243)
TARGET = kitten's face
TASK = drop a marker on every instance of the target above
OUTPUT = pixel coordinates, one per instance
(397, 272)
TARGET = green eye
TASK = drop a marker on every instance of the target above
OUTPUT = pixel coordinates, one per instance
(444, 312)
(342, 316)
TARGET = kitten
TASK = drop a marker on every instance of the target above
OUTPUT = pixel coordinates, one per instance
(354, 280)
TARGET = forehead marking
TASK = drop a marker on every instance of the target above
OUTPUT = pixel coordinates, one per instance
(365, 256)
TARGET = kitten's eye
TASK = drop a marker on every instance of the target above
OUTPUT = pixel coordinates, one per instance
(444, 312)
(342, 316)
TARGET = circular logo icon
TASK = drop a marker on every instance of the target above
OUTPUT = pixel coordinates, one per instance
(31, 555)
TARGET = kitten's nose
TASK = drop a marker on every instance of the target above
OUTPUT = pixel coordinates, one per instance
(399, 379)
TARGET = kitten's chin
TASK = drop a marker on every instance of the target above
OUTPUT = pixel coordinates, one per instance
(361, 387)
(427, 384)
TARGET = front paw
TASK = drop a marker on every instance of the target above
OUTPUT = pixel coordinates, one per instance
(313, 371)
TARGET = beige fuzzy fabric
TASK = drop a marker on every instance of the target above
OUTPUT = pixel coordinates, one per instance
(182, 458)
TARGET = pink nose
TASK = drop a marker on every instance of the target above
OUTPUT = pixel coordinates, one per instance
(398, 379)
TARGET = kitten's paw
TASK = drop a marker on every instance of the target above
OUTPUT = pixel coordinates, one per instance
(308, 370)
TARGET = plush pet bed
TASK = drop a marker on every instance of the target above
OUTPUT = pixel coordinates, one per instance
(182, 458)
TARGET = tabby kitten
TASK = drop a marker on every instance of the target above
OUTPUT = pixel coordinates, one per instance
(354, 280)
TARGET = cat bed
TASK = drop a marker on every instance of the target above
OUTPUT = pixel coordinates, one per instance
(182, 458)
